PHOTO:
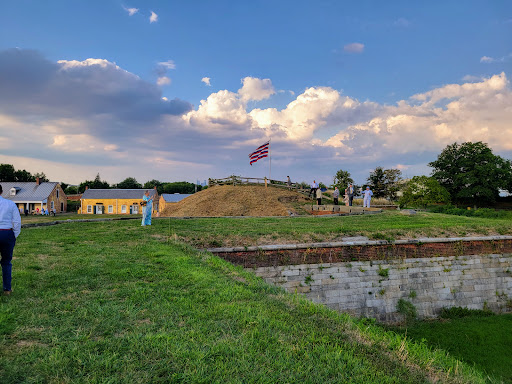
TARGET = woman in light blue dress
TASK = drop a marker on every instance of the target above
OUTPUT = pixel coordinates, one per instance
(147, 209)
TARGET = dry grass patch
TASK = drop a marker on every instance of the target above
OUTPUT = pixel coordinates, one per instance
(228, 200)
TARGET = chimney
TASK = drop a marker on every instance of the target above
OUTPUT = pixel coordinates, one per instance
(38, 181)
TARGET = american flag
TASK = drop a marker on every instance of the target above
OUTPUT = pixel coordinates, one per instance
(259, 153)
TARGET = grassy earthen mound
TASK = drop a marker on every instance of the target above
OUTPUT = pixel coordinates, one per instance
(243, 200)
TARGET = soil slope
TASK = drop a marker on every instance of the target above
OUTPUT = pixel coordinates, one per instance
(228, 200)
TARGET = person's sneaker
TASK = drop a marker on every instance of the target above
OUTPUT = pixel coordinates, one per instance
(7, 293)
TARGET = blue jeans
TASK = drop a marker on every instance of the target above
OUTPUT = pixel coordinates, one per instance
(7, 242)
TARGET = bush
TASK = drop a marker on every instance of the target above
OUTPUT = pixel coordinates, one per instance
(73, 206)
(422, 191)
(459, 312)
(479, 212)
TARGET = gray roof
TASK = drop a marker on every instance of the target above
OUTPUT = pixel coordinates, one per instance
(28, 191)
(174, 197)
(116, 193)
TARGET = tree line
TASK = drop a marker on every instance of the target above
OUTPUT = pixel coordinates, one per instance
(463, 174)
(9, 173)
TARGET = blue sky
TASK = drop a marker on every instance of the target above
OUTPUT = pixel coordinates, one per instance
(184, 90)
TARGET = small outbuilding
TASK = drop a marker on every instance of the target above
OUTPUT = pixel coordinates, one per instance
(171, 198)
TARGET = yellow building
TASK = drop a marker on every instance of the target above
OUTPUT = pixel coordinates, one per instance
(115, 201)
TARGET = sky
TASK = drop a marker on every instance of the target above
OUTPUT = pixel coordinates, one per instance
(186, 90)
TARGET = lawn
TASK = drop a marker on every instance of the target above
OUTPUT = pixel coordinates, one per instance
(391, 225)
(114, 302)
(30, 219)
(483, 341)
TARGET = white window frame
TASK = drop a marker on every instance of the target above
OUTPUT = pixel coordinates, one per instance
(110, 209)
(89, 209)
(123, 208)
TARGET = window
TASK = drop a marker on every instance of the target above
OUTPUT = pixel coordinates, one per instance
(57, 193)
(89, 209)
(123, 208)
(110, 209)
(52, 205)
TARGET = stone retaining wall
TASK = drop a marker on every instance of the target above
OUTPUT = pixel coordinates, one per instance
(369, 279)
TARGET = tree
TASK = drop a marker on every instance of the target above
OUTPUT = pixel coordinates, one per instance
(422, 191)
(71, 190)
(7, 172)
(154, 183)
(42, 177)
(23, 175)
(385, 182)
(179, 187)
(342, 179)
(471, 173)
(97, 183)
(129, 183)
(377, 181)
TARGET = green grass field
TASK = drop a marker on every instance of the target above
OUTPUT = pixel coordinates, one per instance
(113, 302)
(391, 225)
(485, 342)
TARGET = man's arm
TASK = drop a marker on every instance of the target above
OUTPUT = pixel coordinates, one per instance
(16, 220)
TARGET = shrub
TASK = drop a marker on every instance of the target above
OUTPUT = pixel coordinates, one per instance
(407, 309)
(459, 312)
(479, 212)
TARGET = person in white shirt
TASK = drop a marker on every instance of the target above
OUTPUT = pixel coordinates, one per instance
(10, 227)
(336, 195)
(314, 187)
(367, 197)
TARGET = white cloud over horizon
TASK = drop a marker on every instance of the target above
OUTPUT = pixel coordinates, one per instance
(94, 115)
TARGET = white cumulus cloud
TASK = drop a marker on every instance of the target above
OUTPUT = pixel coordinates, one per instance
(206, 80)
(153, 18)
(256, 89)
(354, 48)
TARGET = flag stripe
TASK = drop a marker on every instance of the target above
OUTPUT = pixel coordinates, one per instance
(259, 153)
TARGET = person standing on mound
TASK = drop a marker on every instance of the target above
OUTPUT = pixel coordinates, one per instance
(147, 209)
(319, 196)
(10, 227)
(367, 197)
